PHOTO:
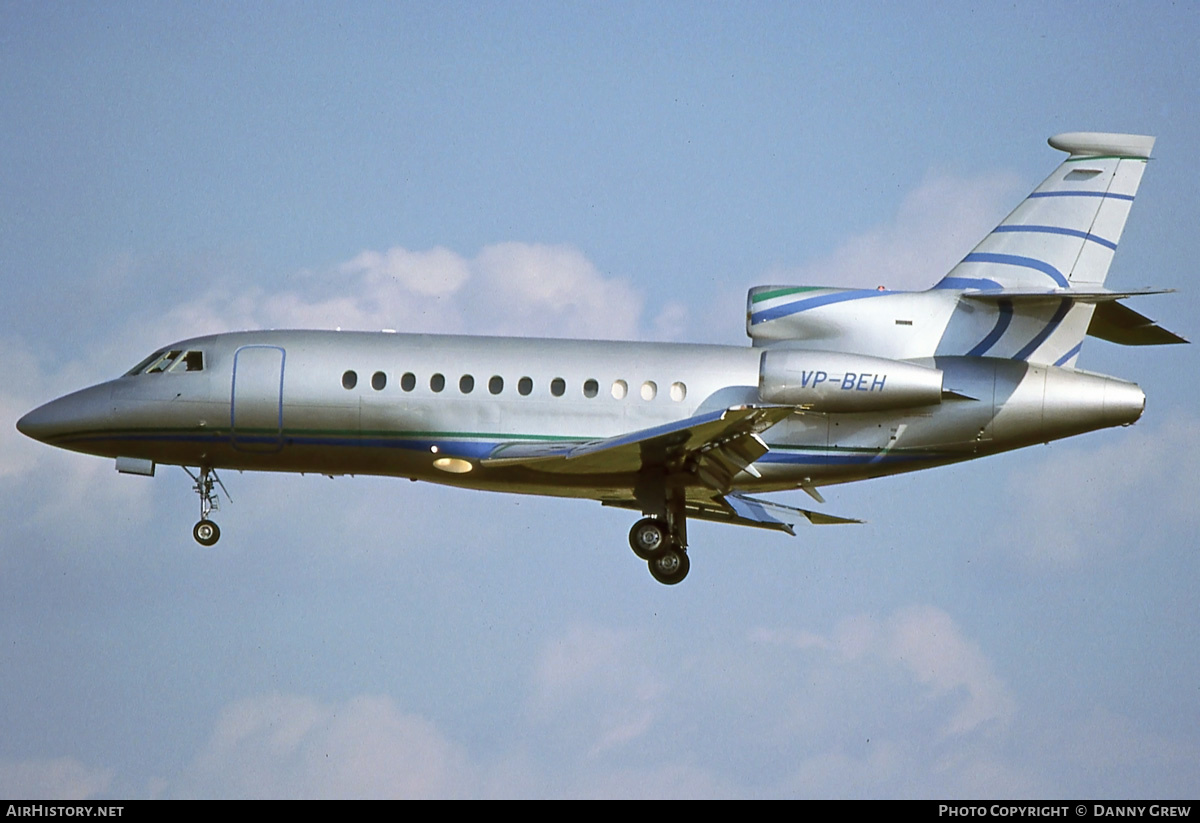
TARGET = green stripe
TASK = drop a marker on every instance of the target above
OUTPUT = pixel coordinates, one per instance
(770, 295)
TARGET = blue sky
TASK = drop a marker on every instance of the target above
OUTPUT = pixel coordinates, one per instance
(1020, 626)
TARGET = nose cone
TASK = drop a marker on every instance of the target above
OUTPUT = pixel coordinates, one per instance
(74, 414)
(44, 422)
(33, 424)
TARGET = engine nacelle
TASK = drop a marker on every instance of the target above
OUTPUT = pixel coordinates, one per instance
(839, 382)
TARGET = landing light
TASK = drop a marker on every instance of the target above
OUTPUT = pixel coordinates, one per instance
(454, 465)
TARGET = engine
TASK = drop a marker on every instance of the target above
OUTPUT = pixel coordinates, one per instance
(839, 382)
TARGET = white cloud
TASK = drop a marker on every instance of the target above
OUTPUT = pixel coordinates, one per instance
(938, 223)
(602, 669)
(927, 643)
(62, 778)
(507, 288)
(554, 290)
(291, 746)
(434, 273)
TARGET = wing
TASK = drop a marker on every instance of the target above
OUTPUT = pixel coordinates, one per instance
(714, 447)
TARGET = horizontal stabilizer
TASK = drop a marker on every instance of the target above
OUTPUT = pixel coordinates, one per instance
(1078, 295)
(1117, 323)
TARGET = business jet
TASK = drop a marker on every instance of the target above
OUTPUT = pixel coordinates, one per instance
(838, 385)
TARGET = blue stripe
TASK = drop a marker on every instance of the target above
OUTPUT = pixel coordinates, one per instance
(1018, 260)
(1039, 338)
(775, 312)
(1006, 313)
(1074, 351)
(1056, 230)
(478, 449)
(1128, 197)
(967, 283)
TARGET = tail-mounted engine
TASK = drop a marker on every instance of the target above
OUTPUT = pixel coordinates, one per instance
(839, 382)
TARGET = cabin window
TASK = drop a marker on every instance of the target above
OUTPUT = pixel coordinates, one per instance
(496, 384)
(349, 380)
(649, 390)
(558, 387)
(619, 389)
(466, 384)
(678, 392)
(408, 381)
(525, 385)
(590, 388)
(378, 381)
(437, 382)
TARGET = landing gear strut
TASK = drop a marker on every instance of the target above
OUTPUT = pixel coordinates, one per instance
(206, 532)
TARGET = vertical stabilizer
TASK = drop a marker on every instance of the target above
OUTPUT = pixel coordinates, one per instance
(1061, 238)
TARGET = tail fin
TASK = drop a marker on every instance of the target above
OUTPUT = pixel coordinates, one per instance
(1029, 291)
(1063, 235)
(1060, 240)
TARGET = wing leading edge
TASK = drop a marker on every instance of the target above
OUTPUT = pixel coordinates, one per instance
(715, 446)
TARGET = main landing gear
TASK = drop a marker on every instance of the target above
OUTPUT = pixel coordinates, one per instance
(206, 532)
(664, 549)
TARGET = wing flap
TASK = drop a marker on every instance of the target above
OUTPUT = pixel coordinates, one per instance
(743, 510)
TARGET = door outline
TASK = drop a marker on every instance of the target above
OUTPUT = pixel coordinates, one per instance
(258, 376)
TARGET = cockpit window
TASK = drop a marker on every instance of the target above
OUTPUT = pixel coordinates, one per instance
(174, 360)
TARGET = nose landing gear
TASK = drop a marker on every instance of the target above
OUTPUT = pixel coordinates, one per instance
(206, 532)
